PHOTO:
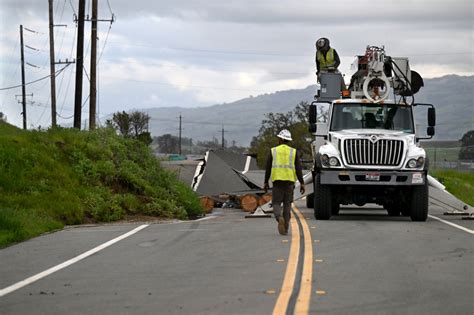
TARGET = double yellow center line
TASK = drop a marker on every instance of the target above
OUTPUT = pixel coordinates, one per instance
(303, 296)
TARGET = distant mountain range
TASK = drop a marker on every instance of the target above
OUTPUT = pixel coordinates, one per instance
(452, 95)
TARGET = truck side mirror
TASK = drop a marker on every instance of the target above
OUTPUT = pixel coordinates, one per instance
(430, 131)
(431, 117)
(312, 114)
(312, 128)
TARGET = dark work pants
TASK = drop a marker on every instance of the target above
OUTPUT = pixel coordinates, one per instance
(282, 193)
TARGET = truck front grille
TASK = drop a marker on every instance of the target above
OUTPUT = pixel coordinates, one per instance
(365, 152)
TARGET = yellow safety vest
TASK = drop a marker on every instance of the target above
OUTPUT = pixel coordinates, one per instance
(324, 63)
(283, 163)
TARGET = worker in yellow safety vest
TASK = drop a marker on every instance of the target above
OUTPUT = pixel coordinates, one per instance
(284, 166)
(327, 58)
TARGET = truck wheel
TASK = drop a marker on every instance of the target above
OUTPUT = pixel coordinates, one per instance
(322, 200)
(310, 201)
(419, 203)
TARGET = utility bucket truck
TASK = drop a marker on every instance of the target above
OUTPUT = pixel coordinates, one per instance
(370, 151)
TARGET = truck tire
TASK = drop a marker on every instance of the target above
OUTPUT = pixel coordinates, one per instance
(419, 203)
(322, 200)
(310, 201)
(335, 208)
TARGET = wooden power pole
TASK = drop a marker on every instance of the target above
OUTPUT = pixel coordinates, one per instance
(179, 139)
(79, 64)
(93, 72)
(23, 86)
(52, 64)
(223, 141)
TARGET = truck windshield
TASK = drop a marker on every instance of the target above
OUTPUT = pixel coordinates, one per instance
(372, 116)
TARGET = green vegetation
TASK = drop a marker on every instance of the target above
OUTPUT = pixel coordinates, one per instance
(443, 154)
(65, 176)
(295, 121)
(460, 184)
(467, 149)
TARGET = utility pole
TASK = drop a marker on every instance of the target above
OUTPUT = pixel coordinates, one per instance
(52, 64)
(147, 121)
(179, 141)
(23, 86)
(79, 64)
(222, 137)
(93, 76)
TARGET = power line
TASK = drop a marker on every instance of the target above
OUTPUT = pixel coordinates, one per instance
(213, 68)
(70, 72)
(236, 52)
(28, 83)
(105, 42)
(200, 122)
(184, 85)
(110, 9)
(72, 7)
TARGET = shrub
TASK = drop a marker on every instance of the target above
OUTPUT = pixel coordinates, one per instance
(63, 176)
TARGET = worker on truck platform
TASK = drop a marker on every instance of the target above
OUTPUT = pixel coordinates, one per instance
(327, 59)
(284, 166)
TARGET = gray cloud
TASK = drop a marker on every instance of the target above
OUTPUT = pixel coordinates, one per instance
(195, 53)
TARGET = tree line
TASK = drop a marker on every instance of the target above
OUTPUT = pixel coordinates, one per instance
(135, 125)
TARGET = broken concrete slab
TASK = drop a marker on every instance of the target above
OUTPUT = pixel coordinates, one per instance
(215, 176)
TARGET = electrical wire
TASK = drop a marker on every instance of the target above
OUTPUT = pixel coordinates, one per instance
(88, 6)
(105, 42)
(200, 122)
(64, 31)
(70, 71)
(28, 83)
(63, 117)
(251, 53)
(213, 68)
(184, 85)
(72, 7)
(110, 9)
(11, 57)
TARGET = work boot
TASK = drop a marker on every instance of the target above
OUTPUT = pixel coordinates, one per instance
(281, 226)
(286, 227)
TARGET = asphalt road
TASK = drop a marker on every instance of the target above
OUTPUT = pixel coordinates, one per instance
(360, 262)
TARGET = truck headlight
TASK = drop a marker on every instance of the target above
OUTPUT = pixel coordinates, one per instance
(333, 161)
(412, 163)
(329, 161)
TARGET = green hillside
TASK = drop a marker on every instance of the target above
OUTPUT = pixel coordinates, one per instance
(65, 176)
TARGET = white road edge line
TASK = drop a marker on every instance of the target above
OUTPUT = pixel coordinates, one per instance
(65, 264)
(462, 228)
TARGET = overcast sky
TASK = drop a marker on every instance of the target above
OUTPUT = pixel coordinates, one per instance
(204, 52)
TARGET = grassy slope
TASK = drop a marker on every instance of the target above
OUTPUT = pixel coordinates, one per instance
(65, 176)
(460, 184)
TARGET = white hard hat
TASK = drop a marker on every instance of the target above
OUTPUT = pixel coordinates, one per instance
(320, 43)
(285, 135)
